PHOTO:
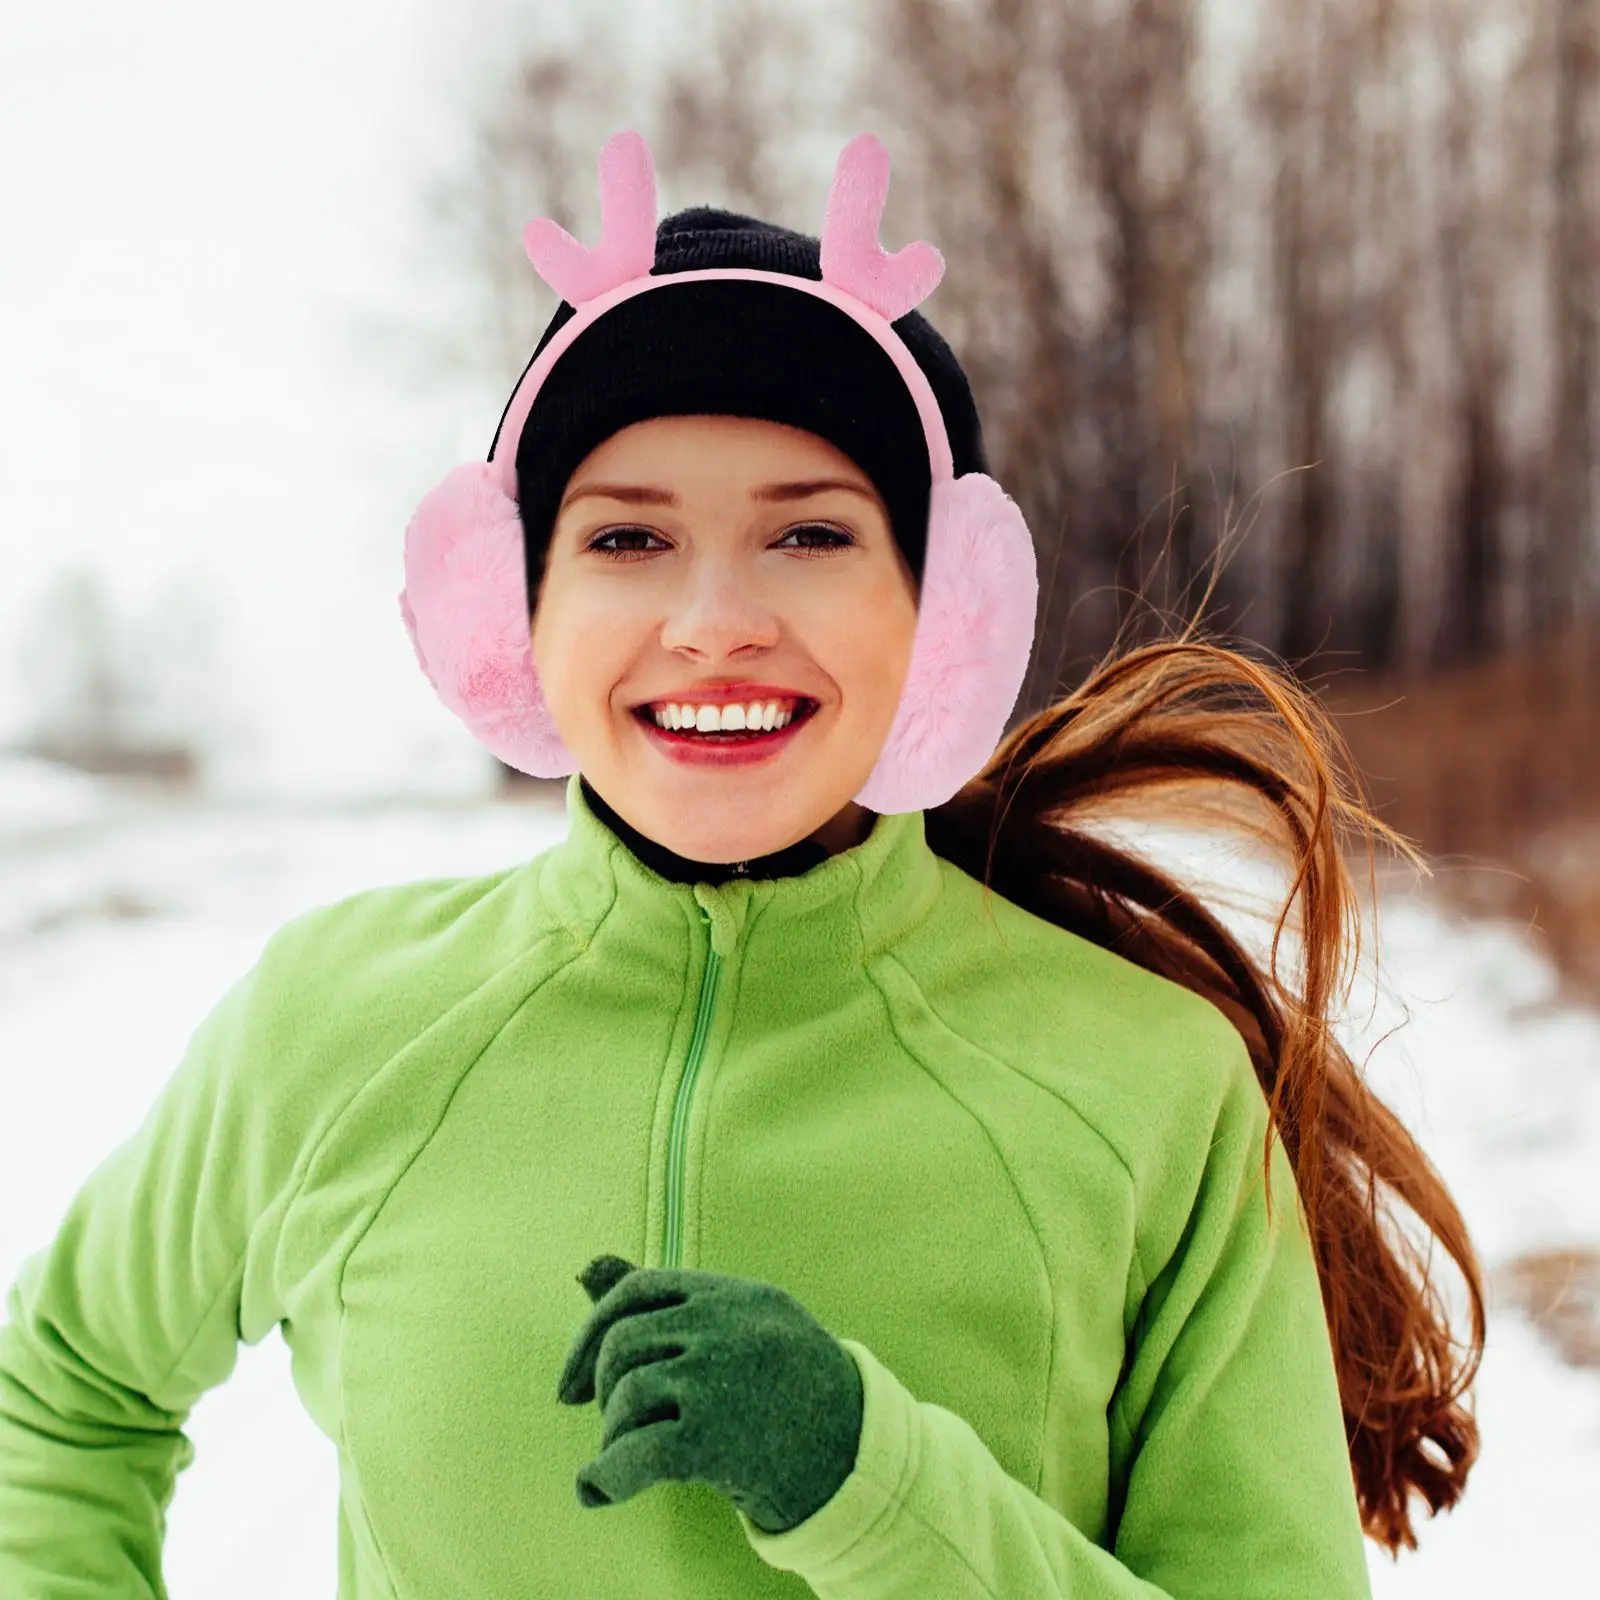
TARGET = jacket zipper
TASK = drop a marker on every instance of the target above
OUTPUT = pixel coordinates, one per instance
(680, 1111)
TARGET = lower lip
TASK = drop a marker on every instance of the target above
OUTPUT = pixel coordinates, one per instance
(693, 752)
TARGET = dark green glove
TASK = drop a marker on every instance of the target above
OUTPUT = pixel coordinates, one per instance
(717, 1379)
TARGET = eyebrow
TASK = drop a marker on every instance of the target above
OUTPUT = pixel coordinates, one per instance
(633, 494)
(810, 486)
(640, 494)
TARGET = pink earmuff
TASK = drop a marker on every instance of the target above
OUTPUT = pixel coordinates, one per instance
(465, 598)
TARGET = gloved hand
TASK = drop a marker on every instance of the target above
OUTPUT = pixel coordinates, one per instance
(717, 1379)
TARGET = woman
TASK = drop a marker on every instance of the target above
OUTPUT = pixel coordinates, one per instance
(938, 1167)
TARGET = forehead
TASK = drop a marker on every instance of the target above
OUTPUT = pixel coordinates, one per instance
(690, 450)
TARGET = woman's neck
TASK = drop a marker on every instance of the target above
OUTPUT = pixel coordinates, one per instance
(840, 832)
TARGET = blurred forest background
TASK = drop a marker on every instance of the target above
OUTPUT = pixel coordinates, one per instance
(1291, 308)
(1298, 308)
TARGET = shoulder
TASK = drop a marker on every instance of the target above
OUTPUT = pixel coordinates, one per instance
(341, 987)
(391, 917)
(440, 925)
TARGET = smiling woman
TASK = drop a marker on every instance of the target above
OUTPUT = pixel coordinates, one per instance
(939, 1166)
(704, 561)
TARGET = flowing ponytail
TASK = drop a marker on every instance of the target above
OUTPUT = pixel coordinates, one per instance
(1242, 742)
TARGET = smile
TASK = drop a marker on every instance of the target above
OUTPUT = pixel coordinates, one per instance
(728, 747)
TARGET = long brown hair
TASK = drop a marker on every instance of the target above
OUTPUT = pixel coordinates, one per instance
(1241, 741)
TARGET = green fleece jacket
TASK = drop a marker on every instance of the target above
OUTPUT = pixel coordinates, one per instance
(1019, 1178)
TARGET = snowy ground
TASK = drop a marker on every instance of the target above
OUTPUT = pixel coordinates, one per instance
(122, 921)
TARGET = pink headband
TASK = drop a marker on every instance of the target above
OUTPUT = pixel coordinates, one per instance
(870, 286)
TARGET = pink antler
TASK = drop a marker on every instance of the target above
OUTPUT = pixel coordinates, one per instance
(627, 248)
(852, 257)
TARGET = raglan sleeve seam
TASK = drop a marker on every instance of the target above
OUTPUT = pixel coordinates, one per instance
(1021, 1198)
(283, 1203)
(432, 1133)
(1136, 1261)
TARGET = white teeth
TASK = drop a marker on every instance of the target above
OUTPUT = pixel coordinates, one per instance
(766, 715)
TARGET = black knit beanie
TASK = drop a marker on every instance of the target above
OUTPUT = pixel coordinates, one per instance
(736, 348)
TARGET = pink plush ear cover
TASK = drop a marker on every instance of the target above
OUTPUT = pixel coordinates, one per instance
(970, 652)
(464, 562)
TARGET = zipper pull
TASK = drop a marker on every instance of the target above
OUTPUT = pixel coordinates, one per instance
(723, 935)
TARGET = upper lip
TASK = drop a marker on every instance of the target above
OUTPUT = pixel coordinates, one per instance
(725, 694)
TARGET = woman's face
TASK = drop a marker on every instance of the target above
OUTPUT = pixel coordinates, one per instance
(698, 552)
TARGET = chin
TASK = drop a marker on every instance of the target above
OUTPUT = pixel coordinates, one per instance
(719, 852)
(750, 832)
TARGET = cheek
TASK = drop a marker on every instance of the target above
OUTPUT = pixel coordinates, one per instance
(582, 642)
(869, 647)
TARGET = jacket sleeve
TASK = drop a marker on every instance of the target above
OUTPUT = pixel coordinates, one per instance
(1237, 1481)
(162, 1264)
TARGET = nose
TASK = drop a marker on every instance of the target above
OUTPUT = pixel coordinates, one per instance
(717, 611)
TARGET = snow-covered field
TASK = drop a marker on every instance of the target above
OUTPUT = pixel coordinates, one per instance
(122, 921)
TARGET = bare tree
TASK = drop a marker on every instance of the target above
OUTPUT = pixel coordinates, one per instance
(1574, 278)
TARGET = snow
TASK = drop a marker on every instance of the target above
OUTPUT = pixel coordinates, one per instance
(40, 794)
(123, 918)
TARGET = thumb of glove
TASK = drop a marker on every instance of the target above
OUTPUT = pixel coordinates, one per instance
(603, 1274)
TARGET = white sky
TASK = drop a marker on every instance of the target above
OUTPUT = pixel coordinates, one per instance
(213, 258)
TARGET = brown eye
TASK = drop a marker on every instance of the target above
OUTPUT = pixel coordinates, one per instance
(838, 538)
(599, 543)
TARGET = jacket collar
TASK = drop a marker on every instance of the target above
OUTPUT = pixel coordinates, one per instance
(847, 905)
(795, 858)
